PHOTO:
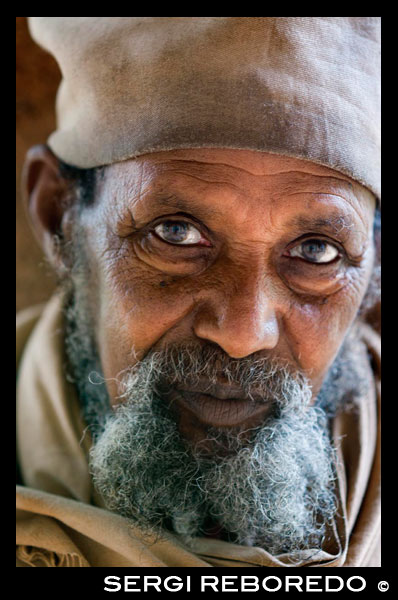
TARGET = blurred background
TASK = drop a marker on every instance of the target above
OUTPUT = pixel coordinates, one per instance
(37, 80)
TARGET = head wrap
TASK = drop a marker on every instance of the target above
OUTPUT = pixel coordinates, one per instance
(304, 87)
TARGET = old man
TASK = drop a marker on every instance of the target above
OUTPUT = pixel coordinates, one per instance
(203, 390)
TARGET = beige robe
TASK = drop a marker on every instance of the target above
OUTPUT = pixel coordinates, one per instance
(61, 521)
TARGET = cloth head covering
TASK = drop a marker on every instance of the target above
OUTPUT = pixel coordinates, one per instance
(62, 521)
(304, 87)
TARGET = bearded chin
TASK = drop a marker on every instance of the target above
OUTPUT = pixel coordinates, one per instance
(272, 489)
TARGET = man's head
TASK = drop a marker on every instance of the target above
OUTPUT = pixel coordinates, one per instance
(211, 290)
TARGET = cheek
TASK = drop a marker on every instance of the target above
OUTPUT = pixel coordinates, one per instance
(316, 330)
(137, 308)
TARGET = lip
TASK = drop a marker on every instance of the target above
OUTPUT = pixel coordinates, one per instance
(226, 409)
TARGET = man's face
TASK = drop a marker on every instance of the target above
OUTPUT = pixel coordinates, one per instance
(251, 252)
(213, 290)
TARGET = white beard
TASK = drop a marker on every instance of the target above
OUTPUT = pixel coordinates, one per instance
(274, 491)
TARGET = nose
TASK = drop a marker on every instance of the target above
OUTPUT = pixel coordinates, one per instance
(241, 320)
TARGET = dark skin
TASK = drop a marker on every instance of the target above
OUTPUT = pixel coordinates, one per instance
(254, 252)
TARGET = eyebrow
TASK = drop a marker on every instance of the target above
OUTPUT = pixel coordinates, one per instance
(159, 200)
(336, 224)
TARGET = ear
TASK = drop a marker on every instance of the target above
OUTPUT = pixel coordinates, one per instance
(47, 200)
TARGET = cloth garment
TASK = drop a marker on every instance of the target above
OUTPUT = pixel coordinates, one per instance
(61, 521)
(305, 87)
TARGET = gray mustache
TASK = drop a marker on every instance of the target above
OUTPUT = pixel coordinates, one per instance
(209, 370)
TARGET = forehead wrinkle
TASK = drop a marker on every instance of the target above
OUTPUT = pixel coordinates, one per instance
(197, 166)
(289, 176)
(277, 184)
(217, 180)
(271, 167)
(316, 186)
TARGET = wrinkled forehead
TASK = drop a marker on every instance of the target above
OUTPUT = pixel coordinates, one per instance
(219, 179)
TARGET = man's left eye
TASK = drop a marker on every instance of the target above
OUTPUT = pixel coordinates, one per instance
(315, 251)
(179, 232)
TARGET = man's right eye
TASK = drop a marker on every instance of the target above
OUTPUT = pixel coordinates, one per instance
(180, 233)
